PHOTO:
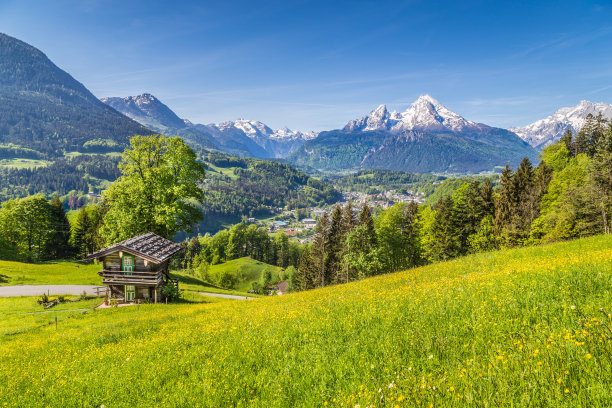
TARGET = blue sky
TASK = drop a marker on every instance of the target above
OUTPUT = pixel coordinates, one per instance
(317, 65)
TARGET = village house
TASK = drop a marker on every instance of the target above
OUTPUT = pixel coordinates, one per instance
(137, 269)
(309, 223)
(281, 288)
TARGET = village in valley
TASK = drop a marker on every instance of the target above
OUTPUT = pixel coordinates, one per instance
(302, 229)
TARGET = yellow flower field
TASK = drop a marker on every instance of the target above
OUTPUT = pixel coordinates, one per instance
(526, 327)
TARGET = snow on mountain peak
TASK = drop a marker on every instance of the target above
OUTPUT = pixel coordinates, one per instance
(425, 113)
(546, 131)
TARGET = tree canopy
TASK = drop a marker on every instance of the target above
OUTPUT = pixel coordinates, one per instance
(159, 190)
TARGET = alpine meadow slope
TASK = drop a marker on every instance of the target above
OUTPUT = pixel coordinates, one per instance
(518, 327)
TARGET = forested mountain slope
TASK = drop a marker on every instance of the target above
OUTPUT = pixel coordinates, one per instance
(43, 108)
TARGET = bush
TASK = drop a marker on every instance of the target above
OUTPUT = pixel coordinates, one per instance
(171, 292)
(226, 279)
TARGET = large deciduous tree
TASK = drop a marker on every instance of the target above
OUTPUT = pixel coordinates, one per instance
(159, 190)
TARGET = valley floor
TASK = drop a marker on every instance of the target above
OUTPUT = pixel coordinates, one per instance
(524, 327)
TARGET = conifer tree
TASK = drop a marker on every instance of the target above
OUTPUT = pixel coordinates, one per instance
(348, 225)
(568, 141)
(348, 219)
(366, 221)
(411, 230)
(80, 238)
(334, 248)
(524, 211)
(57, 245)
(600, 180)
(504, 204)
(305, 276)
(488, 201)
(443, 243)
(318, 252)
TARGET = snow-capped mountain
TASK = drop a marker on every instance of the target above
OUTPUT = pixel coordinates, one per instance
(146, 108)
(426, 137)
(259, 131)
(546, 131)
(425, 114)
(276, 143)
(241, 137)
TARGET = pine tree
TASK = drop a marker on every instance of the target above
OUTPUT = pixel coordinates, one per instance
(334, 248)
(319, 252)
(488, 201)
(504, 205)
(305, 276)
(568, 141)
(444, 240)
(524, 210)
(412, 233)
(600, 180)
(58, 245)
(366, 220)
(348, 219)
(80, 238)
(348, 225)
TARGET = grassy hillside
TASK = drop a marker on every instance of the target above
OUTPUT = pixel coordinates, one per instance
(49, 273)
(249, 271)
(513, 328)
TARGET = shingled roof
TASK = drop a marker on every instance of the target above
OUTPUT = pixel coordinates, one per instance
(149, 246)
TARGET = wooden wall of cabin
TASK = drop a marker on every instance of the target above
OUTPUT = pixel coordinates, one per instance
(113, 262)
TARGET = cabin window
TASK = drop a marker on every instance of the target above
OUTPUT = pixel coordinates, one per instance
(130, 293)
(128, 263)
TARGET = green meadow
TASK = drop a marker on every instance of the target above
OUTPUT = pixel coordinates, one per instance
(521, 327)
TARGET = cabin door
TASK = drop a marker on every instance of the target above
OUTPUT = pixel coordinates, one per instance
(130, 293)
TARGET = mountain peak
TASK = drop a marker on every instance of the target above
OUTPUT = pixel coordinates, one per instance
(424, 114)
(544, 132)
(428, 99)
(146, 108)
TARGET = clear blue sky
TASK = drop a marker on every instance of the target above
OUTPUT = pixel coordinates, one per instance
(316, 65)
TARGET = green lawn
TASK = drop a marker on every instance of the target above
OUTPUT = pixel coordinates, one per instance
(23, 163)
(226, 171)
(190, 283)
(520, 328)
(248, 270)
(21, 314)
(49, 273)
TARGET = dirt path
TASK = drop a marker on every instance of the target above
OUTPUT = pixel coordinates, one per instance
(37, 290)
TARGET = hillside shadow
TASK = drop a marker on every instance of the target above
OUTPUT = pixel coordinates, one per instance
(191, 280)
(3, 278)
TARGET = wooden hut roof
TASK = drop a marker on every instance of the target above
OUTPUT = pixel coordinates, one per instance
(149, 246)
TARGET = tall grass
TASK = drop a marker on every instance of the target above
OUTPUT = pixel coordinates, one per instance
(512, 328)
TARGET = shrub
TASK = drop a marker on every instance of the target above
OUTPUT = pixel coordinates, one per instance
(171, 292)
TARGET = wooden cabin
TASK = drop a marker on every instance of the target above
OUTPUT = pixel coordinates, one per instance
(137, 269)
